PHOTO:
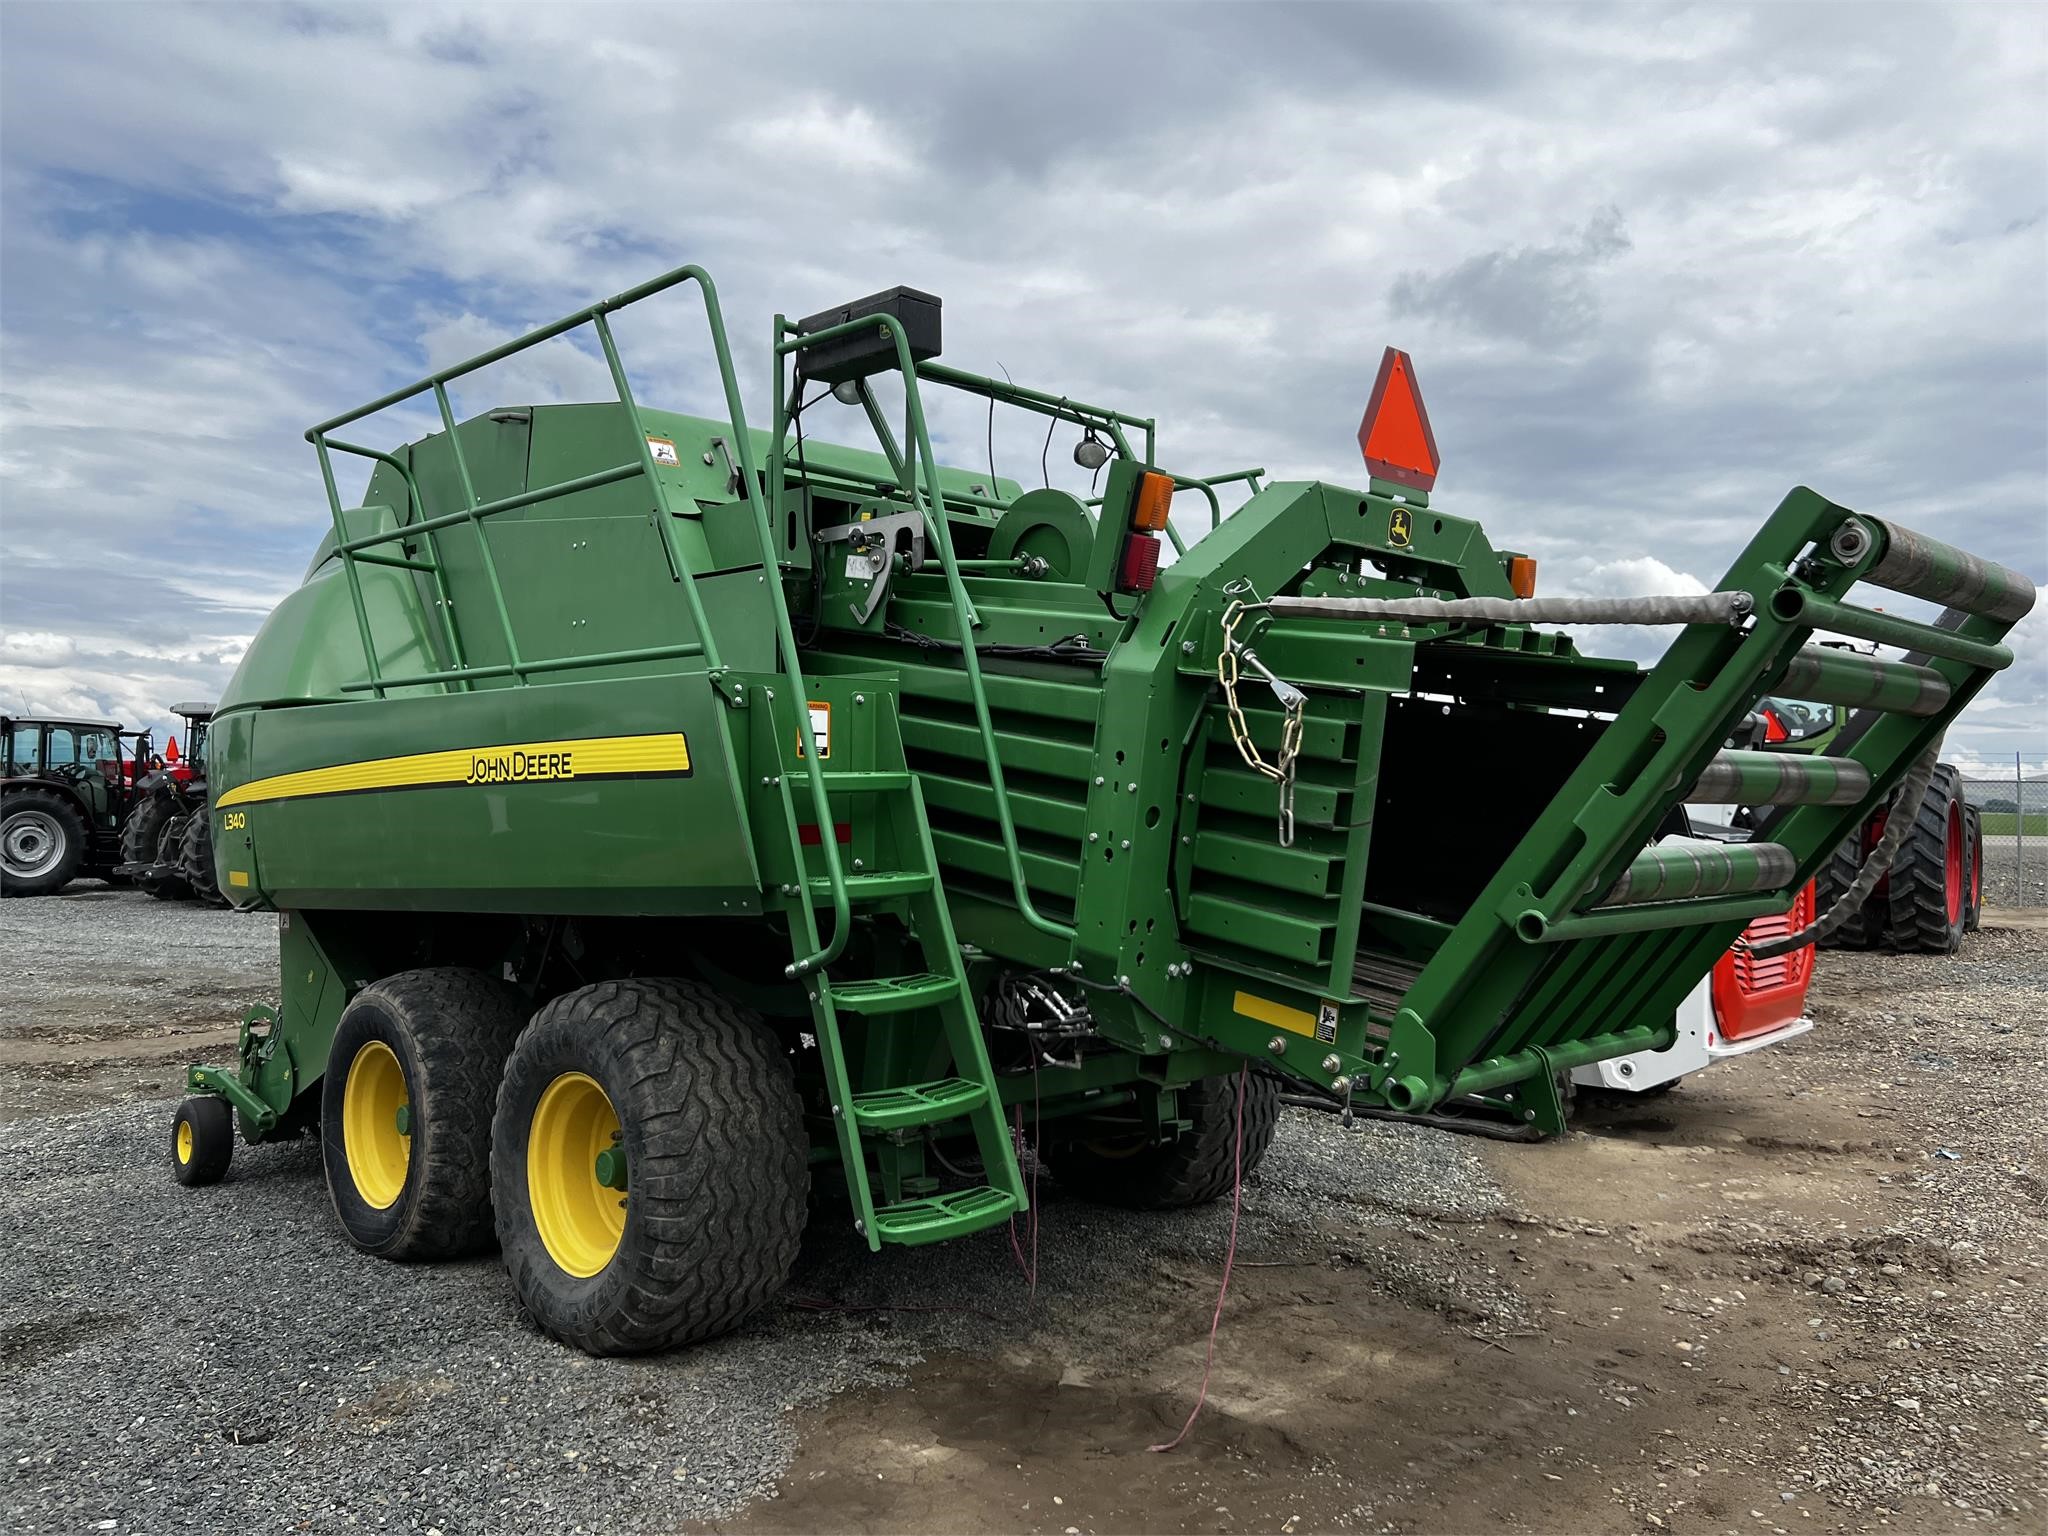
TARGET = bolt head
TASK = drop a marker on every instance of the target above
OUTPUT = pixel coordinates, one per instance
(1277, 1045)
(1332, 1062)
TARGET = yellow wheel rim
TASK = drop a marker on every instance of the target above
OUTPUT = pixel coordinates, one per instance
(581, 1220)
(184, 1141)
(378, 1152)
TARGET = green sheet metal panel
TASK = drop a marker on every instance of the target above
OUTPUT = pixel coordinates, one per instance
(570, 836)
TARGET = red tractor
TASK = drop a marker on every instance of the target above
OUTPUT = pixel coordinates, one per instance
(167, 845)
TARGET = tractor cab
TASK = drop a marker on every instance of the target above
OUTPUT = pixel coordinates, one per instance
(64, 802)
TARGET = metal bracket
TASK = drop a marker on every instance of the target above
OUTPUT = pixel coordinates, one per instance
(1542, 1099)
(733, 487)
(220, 1081)
(730, 688)
(881, 531)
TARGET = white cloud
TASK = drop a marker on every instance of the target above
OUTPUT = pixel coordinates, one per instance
(37, 648)
(1656, 265)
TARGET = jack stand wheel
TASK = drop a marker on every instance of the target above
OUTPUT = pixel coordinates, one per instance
(202, 1140)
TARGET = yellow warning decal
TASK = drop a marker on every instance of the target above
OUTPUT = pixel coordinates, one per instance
(1279, 1015)
(238, 877)
(522, 762)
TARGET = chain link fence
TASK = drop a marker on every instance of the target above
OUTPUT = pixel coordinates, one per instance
(2014, 808)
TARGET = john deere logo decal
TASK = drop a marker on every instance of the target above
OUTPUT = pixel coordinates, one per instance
(662, 756)
(1399, 527)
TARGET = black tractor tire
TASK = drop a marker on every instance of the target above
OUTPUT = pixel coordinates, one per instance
(42, 842)
(405, 1111)
(1930, 876)
(1973, 900)
(202, 1140)
(144, 829)
(716, 1166)
(1835, 877)
(164, 881)
(195, 859)
(1196, 1167)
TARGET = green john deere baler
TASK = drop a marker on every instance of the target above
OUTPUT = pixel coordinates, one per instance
(660, 813)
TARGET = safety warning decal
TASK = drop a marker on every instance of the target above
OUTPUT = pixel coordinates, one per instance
(821, 731)
(664, 452)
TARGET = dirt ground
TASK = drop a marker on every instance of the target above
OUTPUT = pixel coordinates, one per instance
(1801, 1293)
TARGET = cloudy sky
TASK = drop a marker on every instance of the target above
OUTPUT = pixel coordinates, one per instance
(1655, 266)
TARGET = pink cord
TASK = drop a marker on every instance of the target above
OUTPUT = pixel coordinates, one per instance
(1229, 1258)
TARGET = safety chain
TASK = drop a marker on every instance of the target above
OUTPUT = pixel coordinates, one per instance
(1292, 702)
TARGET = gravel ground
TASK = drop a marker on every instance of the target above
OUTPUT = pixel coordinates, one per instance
(172, 962)
(2015, 873)
(1814, 1277)
(221, 1358)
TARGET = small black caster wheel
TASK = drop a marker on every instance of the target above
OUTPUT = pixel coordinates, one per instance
(202, 1140)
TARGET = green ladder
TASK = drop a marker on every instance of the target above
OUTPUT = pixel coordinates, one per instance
(914, 1076)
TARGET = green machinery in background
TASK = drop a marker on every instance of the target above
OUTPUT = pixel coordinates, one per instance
(660, 812)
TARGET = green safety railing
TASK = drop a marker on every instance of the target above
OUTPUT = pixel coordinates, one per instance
(520, 669)
(931, 501)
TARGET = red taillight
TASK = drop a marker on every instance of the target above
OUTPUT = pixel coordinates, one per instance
(1774, 727)
(1141, 564)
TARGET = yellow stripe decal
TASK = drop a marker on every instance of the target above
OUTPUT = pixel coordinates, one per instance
(519, 762)
(1276, 1014)
(238, 877)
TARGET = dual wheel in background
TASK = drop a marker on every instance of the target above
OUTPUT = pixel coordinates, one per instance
(1933, 893)
(178, 843)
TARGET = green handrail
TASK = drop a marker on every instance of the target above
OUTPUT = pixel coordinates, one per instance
(416, 513)
(705, 643)
(934, 511)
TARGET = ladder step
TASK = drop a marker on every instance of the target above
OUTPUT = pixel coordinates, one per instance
(866, 781)
(939, 1217)
(878, 886)
(893, 994)
(889, 1109)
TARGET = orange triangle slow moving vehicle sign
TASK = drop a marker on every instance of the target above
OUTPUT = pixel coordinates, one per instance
(1395, 435)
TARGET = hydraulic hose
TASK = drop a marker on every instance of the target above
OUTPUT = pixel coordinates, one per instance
(1904, 812)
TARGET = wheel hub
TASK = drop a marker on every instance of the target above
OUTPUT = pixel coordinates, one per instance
(372, 1100)
(31, 845)
(573, 1159)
